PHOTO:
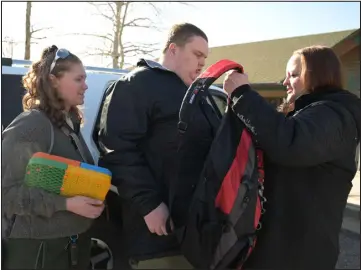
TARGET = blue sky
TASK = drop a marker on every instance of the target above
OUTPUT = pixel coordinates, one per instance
(244, 22)
(224, 22)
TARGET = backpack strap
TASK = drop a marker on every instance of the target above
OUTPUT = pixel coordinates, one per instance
(68, 132)
(195, 95)
(199, 90)
(79, 146)
(211, 113)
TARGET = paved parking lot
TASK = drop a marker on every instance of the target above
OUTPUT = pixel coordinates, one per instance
(350, 242)
(350, 251)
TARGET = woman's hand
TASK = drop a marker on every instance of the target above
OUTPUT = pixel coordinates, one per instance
(84, 206)
(233, 80)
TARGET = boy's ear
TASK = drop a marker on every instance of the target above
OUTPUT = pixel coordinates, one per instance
(172, 48)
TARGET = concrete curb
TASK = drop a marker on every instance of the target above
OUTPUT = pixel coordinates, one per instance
(352, 211)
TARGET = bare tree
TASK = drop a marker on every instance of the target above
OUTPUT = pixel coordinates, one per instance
(114, 46)
(30, 31)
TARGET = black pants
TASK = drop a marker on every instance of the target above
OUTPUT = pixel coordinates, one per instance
(45, 253)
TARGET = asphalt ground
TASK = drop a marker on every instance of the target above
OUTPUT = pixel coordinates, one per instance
(349, 257)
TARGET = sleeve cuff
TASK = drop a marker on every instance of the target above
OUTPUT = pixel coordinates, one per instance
(239, 91)
(149, 207)
(59, 203)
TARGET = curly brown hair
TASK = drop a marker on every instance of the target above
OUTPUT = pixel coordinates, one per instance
(41, 94)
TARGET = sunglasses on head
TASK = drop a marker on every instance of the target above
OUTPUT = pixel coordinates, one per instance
(60, 54)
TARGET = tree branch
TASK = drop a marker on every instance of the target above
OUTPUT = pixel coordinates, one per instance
(38, 38)
(155, 8)
(98, 52)
(140, 45)
(106, 36)
(101, 13)
(136, 51)
(112, 9)
(135, 21)
(118, 14)
(39, 29)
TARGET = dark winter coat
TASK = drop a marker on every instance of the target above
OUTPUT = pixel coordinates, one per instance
(139, 138)
(309, 167)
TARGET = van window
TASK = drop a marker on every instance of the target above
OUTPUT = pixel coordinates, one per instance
(221, 103)
(220, 99)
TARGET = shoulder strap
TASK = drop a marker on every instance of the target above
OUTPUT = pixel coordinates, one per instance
(51, 136)
(80, 147)
(211, 113)
(199, 90)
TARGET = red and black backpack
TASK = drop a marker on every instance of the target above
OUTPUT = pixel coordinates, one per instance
(224, 215)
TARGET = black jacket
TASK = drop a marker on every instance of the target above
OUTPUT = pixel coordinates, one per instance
(309, 166)
(139, 138)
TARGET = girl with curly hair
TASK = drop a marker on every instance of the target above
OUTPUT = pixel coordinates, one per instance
(38, 226)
